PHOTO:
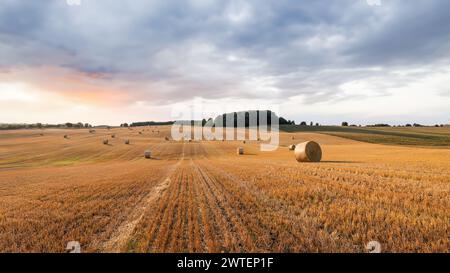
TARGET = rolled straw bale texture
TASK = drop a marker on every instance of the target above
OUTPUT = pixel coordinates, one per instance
(291, 147)
(147, 154)
(240, 151)
(309, 151)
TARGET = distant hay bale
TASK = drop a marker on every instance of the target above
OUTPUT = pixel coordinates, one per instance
(127, 141)
(309, 151)
(190, 140)
(243, 141)
(240, 151)
(66, 136)
(291, 147)
(41, 134)
(292, 138)
(148, 154)
(105, 142)
(166, 138)
(91, 131)
(113, 136)
(140, 133)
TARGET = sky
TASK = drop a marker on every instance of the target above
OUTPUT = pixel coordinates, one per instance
(115, 61)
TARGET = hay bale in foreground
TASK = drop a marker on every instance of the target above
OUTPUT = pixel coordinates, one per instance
(105, 142)
(291, 147)
(148, 154)
(127, 141)
(309, 151)
(240, 151)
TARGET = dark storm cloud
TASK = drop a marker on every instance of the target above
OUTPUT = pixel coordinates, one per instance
(220, 49)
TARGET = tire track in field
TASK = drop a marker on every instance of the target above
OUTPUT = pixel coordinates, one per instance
(226, 219)
(120, 237)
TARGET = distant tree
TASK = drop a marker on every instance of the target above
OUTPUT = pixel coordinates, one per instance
(417, 125)
(303, 123)
(87, 125)
(203, 122)
(311, 124)
(408, 125)
(344, 123)
(39, 125)
(69, 125)
(317, 124)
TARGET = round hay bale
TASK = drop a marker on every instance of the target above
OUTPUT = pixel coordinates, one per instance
(66, 136)
(291, 147)
(105, 142)
(240, 151)
(166, 138)
(140, 133)
(243, 141)
(292, 138)
(148, 154)
(127, 141)
(113, 136)
(309, 151)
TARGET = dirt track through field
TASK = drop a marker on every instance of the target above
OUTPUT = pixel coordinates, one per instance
(119, 238)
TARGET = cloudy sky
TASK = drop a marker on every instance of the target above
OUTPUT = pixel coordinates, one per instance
(108, 62)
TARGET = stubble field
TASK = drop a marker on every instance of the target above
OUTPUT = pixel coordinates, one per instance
(201, 197)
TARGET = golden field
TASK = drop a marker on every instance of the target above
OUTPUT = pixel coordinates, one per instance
(201, 197)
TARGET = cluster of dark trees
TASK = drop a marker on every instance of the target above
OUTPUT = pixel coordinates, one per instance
(224, 119)
(304, 123)
(14, 126)
(232, 118)
(147, 123)
(78, 125)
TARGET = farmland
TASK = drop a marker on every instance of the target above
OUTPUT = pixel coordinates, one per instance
(407, 136)
(200, 196)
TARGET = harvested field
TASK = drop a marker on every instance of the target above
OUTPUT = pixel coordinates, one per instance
(200, 197)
